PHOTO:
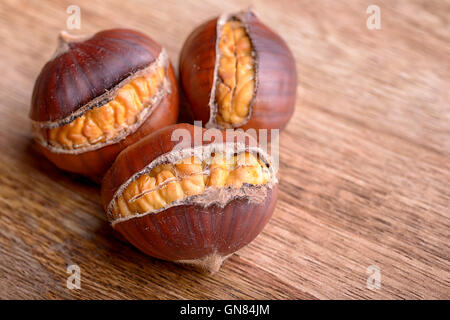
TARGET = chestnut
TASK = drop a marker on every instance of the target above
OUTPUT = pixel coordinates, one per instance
(193, 201)
(237, 73)
(99, 94)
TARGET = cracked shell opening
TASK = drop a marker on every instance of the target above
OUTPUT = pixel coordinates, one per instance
(193, 177)
(235, 74)
(130, 104)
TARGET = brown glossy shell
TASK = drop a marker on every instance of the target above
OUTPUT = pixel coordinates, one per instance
(197, 61)
(191, 232)
(275, 97)
(184, 232)
(88, 69)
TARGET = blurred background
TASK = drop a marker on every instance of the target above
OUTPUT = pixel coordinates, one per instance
(365, 160)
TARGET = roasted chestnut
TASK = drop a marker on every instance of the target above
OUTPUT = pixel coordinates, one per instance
(237, 73)
(99, 94)
(183, 198)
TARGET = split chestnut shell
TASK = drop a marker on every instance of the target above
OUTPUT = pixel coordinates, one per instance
(238, 73)
(181, 198)
(99, 94)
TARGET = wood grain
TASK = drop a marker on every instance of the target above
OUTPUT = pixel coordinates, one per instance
(365, 161)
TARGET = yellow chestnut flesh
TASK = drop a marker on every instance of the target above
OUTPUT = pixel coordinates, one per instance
(167, 183)
(236, 75)
(111, 119)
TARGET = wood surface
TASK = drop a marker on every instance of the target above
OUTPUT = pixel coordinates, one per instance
(365, 161)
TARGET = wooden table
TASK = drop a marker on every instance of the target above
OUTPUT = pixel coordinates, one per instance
(365, 161)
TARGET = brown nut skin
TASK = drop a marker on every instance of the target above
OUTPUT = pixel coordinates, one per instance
(188, 233)
(88, 69)
(275, 96)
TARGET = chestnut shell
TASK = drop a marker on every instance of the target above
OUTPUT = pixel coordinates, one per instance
(88, 69)
(191, 232)
(275, 96)
(95, 163)
(184, 232)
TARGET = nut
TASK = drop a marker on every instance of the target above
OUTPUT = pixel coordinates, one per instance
(190, 203)
(98, 95)
(237, 73)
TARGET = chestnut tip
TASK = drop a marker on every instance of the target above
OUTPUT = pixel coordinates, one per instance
(64, 40)
(66, 37)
